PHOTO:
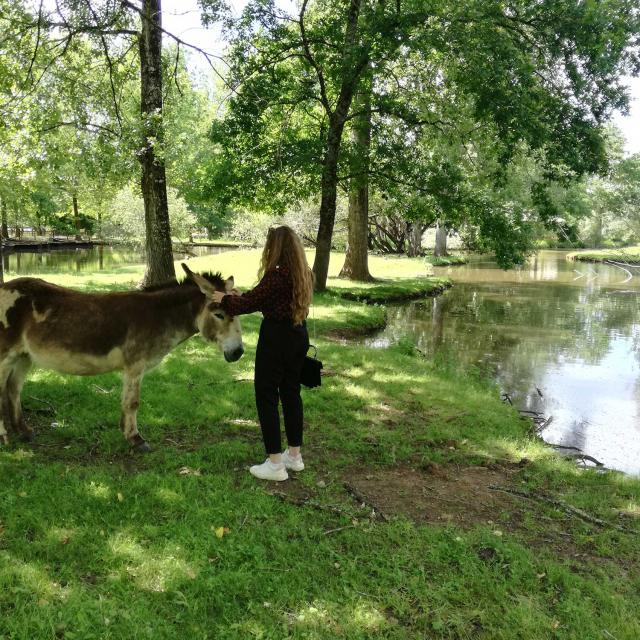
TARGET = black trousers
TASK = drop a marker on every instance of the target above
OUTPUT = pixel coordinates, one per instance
(280, 354)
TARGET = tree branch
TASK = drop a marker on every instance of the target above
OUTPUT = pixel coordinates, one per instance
(105, 48)
(312, 61)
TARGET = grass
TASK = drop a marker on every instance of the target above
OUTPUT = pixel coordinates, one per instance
(626, 254)
(96, 542)
(221, 242)
(446, 261)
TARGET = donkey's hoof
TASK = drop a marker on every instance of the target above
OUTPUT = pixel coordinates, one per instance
(142, 447)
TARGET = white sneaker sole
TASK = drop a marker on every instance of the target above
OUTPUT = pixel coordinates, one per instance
(276, 476)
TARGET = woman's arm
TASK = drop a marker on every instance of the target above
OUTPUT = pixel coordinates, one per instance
(254, 300)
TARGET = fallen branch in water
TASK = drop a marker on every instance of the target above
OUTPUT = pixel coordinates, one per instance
(560, 504)
(618, 266)
(563, 446)
(545, 424)
(584, 456)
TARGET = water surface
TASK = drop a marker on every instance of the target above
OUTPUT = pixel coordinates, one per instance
(97, 258)
(560, 337)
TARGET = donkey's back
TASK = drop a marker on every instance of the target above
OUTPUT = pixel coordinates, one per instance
(90, 333)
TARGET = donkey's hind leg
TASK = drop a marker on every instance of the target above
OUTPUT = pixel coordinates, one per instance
(6, 367)
(131, 380)
(13, 390)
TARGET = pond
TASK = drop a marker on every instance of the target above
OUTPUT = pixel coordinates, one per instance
(560, 337)
(97, 258)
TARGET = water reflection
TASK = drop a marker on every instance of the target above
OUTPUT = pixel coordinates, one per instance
(97, 258)
(560, 337)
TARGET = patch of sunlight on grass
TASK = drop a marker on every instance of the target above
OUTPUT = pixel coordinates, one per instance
(125, 546)
(99, 490)
(169, 496)
(362, 392)
(632, 509)
(516, 450)
(157, 574)
(60, 535)
(388, 376)
(367, 616)
(32, 579)
(361, 617)
(312, 614)
(355, 373)
(20, 454)
(152, 571)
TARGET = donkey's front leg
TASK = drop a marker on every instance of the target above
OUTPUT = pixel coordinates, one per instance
(131, 380)
(14, 385)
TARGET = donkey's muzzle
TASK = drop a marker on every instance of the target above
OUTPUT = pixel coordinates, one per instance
(232, 356)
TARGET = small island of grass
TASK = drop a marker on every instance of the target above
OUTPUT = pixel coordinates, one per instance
(628, 255)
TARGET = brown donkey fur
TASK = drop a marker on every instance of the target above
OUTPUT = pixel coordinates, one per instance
(90, 333)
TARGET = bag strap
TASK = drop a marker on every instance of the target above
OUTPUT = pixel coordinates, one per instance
(313, 318)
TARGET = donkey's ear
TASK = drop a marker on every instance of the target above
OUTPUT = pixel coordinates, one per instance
(203, 284)
(229, 284)
(186, 270)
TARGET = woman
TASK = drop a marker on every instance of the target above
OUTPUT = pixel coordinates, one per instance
(283, 295)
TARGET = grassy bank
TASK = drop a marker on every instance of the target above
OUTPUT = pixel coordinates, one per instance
(446, 261)
(395, 530)
(385, 291)
(630, 255)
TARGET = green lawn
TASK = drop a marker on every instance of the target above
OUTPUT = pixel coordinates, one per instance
(626, 254)
(446, 261)
(392, 531)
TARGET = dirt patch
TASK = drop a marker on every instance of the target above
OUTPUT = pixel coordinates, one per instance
(439, 495)
(461, 496)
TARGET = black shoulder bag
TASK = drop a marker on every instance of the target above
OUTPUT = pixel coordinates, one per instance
(310, 376)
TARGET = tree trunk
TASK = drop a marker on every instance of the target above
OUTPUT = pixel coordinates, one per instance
(596, 234)
(4, 229)
(154, 184)
(415, 239)
(351, 72)
(356, 263)
(76, 217)
(327, 204)
(441, 241)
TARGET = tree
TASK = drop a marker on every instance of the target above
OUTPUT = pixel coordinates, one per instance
(153, 180)
(356, 266)
(105, 28)
(540, 73)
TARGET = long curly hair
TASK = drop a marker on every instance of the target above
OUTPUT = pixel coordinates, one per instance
(284, 248)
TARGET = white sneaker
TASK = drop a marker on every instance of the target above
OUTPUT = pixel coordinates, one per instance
(269, 471)
(295, 464)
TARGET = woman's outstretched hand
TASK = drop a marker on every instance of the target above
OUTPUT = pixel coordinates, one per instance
(217, 296)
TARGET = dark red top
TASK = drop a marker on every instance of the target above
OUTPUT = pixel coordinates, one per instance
(272, 295)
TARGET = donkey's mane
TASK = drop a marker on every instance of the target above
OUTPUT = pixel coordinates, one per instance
(215, 279)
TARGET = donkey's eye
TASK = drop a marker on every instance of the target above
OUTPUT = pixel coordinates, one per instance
(219, 315)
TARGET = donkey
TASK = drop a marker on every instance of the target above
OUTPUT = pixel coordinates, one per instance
(90, 333)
